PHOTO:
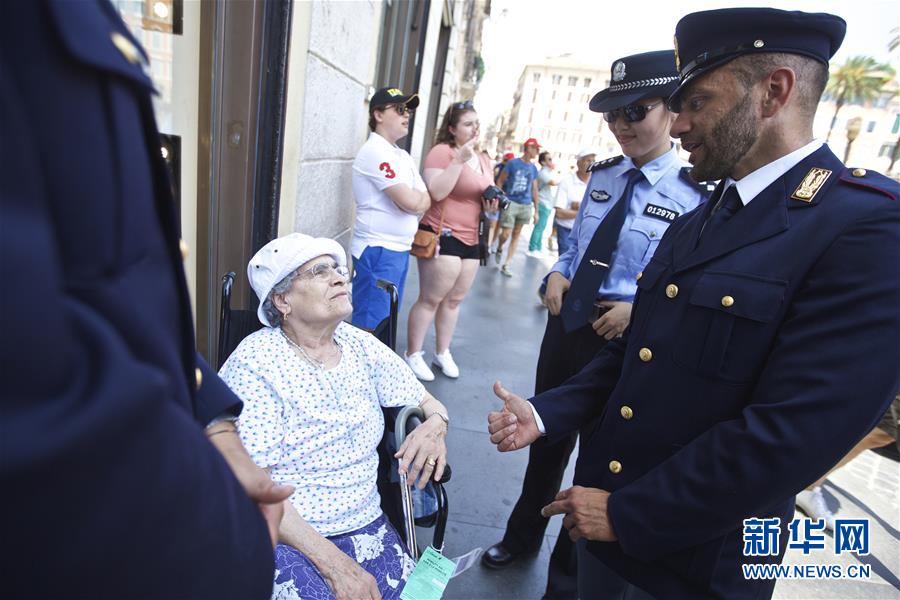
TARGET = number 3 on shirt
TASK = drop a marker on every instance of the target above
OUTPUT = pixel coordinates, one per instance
(388, 171)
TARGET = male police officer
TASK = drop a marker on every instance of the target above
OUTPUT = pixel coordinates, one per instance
(110, 487)
(763, 340)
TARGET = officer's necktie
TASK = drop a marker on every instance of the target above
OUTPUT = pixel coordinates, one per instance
(595, 263)
(728, 205)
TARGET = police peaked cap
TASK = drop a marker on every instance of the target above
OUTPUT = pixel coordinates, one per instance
(636, 77)
(709, 39)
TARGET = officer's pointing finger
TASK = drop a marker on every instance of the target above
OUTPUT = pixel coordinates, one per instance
(556, 507)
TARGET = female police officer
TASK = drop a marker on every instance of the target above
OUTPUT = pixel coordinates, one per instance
(629, 202)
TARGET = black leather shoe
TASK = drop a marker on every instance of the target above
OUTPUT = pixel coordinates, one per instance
(497, 557)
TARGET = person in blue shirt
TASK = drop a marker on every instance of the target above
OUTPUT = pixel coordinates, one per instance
(629, 202)
(519, 181)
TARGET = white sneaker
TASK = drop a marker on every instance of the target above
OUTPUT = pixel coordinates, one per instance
(812, 503)
(418, 366)
(535, 254)
(446, 364)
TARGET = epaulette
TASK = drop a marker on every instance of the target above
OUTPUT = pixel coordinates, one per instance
(606, 163)
(871, 180)
(704, 187)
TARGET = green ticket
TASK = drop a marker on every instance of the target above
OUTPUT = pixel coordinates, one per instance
(429, 579)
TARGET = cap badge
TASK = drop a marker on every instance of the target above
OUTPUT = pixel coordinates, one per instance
(618, 72)
(394, 92)
(811, 184)
(758, 44)
(677, 58)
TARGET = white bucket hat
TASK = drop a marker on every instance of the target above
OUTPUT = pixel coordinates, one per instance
(585, 152)
(280, 257)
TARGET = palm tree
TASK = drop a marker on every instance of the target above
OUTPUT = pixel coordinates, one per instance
(858, 80)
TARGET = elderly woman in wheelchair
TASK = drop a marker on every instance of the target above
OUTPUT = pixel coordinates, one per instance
(313, 387)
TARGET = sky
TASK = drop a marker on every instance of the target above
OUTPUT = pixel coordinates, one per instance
(520, 32)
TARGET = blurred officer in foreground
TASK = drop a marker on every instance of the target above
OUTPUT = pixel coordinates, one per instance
(629, 202)
(111, 488)
(741, 377)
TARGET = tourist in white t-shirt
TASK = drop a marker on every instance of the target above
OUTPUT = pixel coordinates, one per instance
(390, 199)
(568, 198)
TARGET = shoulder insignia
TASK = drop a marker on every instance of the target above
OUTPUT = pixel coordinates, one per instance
(704, 187)
(871, 180)
(605, 164)
(811, 184)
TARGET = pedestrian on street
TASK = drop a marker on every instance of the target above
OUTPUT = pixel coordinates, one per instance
(760, 316)
(456, 174)
(390, 199)
(628, 204)
(569, 196)
(519, 181)
(547, 179)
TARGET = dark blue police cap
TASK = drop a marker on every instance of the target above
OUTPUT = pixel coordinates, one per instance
(708, 39)
(647, 75)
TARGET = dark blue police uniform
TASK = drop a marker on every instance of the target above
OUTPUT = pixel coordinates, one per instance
(111, 489)
(757, 356)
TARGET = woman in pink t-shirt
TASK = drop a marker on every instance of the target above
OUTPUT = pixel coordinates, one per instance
(456, 175)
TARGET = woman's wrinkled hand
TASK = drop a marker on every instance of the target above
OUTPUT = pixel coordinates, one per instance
(348, 580)
(425, 442)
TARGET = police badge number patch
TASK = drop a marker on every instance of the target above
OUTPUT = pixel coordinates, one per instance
(661, 212)
(600, 195)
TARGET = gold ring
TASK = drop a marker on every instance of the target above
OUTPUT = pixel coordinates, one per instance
(430, 462)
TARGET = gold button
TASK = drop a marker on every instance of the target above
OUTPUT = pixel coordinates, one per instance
(626, 412)
(185, 250)
(639, 275)
(645, 354)
(198, 375)
(859, 172)
(727, 301)
(128, 50)
(615, 466)
(671, 290)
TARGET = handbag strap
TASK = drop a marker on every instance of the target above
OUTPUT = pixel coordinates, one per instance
(441, 226)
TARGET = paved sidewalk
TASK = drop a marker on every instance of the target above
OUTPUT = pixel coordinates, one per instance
(498, 336)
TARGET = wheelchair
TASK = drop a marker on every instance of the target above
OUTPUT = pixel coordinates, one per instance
(396, 498)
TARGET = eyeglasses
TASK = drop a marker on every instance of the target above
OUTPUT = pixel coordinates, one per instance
(324, 272)
(632, 113)
(463, 105)
(402, 109)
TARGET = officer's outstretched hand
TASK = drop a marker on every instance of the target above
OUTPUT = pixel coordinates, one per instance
(514, 426)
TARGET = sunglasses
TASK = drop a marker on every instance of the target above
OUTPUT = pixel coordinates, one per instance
(467, 105)
(632, 113)
(402, 109)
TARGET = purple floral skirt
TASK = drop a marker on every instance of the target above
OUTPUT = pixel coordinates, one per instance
(376, 547)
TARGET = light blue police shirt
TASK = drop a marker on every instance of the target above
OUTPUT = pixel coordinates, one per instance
(655, 202)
